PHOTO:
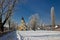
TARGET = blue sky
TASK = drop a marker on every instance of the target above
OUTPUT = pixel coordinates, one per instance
(26, 8)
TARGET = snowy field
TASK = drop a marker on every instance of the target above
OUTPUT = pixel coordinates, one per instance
(32, 35)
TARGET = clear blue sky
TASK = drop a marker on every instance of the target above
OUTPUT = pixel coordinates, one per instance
(26, 8)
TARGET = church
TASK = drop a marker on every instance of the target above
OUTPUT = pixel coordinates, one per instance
(23, 26)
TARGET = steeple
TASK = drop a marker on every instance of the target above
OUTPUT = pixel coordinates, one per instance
(22, 20)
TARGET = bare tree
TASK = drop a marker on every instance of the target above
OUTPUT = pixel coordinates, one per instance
(6, 7)
(9, 21)
(34, 21)
(13, 25)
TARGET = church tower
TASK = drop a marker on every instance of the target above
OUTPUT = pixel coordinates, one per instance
(22, 26)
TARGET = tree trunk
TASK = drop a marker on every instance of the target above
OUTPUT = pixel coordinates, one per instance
(1, 26)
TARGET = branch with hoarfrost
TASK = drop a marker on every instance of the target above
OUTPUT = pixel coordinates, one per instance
(6, 7)
(34, 21)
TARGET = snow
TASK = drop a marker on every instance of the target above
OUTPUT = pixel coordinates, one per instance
(10, 36)
(56, 26)
(32, 35)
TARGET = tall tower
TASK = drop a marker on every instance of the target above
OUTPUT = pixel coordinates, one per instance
(52, 17)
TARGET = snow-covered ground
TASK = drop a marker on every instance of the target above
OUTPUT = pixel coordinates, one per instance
(10, 36)
(32, 35)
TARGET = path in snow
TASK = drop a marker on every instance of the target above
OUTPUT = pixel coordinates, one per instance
(32, 35)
